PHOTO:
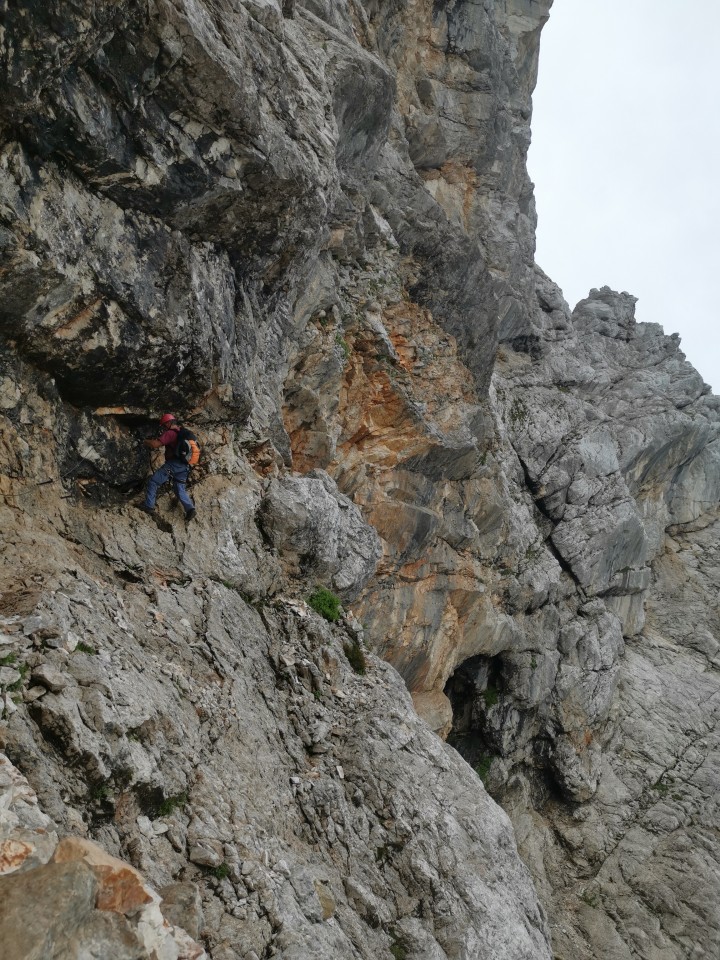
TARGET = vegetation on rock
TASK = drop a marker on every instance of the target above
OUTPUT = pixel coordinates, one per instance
(326, 603)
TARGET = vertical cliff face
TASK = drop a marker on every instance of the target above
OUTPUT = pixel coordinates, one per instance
(308, 229)
(618, 440)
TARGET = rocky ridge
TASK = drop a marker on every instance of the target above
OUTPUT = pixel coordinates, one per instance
(309, 228)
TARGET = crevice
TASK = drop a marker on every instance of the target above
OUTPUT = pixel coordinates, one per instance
(548, 541)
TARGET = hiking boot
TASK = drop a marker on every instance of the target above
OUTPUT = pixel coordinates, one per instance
(190, 514)
(145, 508)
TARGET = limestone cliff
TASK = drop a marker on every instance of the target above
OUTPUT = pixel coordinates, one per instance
(307, 228)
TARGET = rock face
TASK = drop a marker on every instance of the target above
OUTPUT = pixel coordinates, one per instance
(618, 439)
(308, 229)
(319, 532)
(235, 748)
(71, 899)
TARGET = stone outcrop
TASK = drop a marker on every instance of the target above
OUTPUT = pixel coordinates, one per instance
(307, 228)
(71, 899)
(319, 533)
(618, 441)
(233, 760)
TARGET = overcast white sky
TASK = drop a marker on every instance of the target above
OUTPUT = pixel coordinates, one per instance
(625, 158)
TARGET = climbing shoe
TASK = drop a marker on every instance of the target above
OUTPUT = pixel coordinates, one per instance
(190, 514)
(145, 508)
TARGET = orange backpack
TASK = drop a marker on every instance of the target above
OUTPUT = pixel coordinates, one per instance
(187, 448)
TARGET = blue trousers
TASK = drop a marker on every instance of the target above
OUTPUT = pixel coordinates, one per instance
(170, 470)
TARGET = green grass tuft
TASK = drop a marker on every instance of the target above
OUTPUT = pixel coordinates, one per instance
(99, 792)
(343, 344)
(482, 767)
(325, 603)
(86, 648)
(398, 951)
(490, 696)
(356, 656)
(175, 802)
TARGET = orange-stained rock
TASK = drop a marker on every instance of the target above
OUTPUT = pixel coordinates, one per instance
(396, 425)
(27, 835)
(120, 890)
(13, 853)
(435, 709)
(121, 887)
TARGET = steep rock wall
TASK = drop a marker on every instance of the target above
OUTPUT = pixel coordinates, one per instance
(187, 191)
(308, 227)
(618, 440)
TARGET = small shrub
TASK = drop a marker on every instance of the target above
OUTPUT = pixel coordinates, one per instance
(343, 344)
(396, 948)
(325, 603)
(490, 696)
(518, 411)
(356, 656)
(591, 899)
(221, 872)
(482, 767)
(9, 660)
(100, 792)
(86, 648)
(174, 802)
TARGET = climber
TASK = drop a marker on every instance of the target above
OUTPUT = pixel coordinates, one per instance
(173, 469)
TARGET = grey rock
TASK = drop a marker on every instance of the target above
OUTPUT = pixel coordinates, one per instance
(103, 934)
(63, 895)
(27, 836)
(628, 425)
(182, 907)
(320, 533)
(9, 676)
(50, 677)
(306, 228)
(206, 851)
(225, 820)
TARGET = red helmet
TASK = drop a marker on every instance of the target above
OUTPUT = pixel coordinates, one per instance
(167, 418)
